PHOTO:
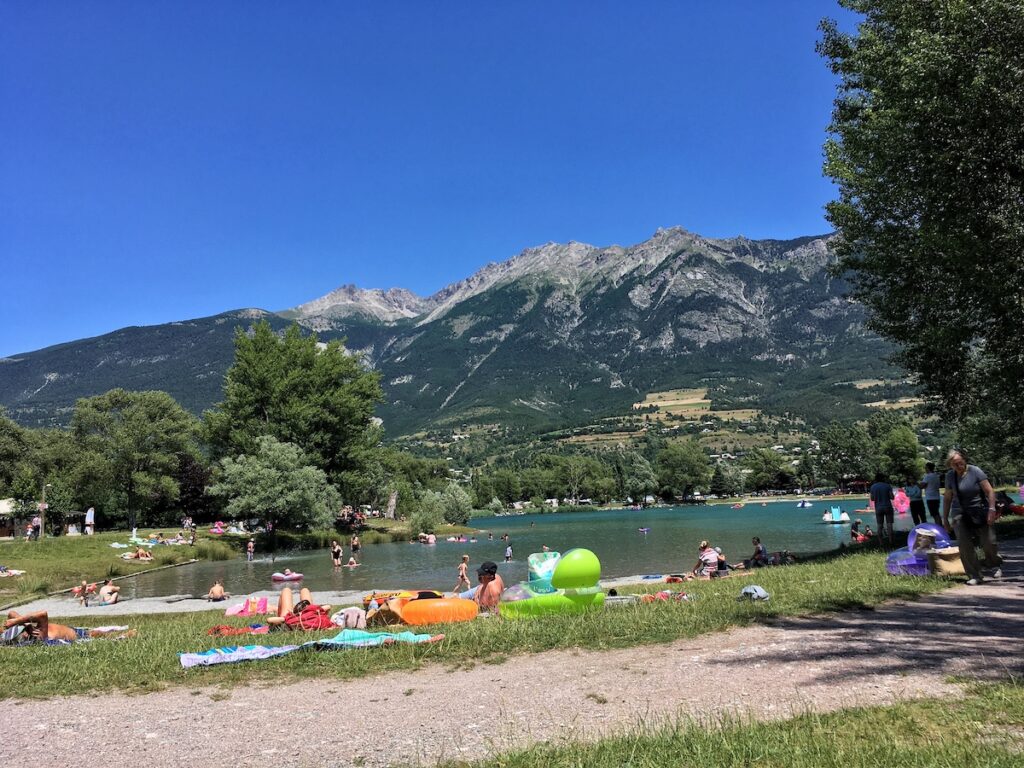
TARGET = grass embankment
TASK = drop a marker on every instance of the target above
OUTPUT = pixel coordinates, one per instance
(982, 729)
(56, 563)
(150, 661)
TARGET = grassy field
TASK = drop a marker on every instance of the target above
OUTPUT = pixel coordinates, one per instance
(150, 661)
(985, 728)
(56, 563)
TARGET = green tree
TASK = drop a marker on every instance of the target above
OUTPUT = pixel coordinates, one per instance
(926, 147)
(13, 447)
(901, 455)
(682, 468)
(292, 388)
(456, 504)
(428, 516)
(883, 421)
(846, 454)
(142, 437)
(768, 469)
(640, 480)
(807, 471)
(276, 483)
(718, 485)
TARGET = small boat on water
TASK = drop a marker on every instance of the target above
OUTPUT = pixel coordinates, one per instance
(836, 516)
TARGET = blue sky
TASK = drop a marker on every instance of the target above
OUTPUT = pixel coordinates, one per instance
(167, 160)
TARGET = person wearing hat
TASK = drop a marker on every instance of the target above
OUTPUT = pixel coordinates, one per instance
(488, 594)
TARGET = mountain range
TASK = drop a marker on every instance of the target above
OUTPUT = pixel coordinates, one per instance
(559, 334)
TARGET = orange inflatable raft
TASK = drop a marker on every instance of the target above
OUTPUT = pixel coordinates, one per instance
(418, 608)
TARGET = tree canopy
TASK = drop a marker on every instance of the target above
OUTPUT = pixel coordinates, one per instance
(299, 391)
(277, 483)
(140, 440)
(926, 147)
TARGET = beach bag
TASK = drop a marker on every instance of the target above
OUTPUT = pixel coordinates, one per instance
(310, 618)
(946, 562)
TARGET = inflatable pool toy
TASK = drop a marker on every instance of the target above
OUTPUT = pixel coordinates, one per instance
(904, 562)
(737, 506)
(901, 502)
(417, 608)
(286, 577)
(90, 589)
(803, 503)
(558, 584)
(836, 516)
(912, 560)
(928, 536)
(441, 610)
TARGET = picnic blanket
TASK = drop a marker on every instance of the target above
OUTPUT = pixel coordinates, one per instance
(347, 638)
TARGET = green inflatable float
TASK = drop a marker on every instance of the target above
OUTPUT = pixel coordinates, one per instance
(558, 584)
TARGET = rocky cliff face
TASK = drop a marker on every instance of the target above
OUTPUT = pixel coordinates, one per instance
(556, 333)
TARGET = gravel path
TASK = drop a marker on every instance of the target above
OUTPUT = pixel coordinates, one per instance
(898, 651)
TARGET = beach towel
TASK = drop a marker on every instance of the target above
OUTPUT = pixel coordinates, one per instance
(224, 630)
(347, 638)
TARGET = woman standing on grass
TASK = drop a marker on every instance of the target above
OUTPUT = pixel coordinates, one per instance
(970, 498)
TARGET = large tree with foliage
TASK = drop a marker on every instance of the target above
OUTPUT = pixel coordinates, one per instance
(927, 150)
(277, 483)
(299, 391)
(900, 455)
(767, 469)
(682, 468)
(847, 453)
(142, 438)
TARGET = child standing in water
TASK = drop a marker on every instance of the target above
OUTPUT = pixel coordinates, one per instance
(250, 550)
(463, 576)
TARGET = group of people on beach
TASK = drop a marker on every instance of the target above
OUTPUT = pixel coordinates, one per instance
(712, 562)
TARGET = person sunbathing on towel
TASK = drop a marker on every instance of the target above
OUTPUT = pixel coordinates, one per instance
(33, 627)
(142, 554)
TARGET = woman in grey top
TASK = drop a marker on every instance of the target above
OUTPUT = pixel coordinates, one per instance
(970, 497)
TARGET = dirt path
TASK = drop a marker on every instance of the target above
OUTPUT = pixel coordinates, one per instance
(860, 658)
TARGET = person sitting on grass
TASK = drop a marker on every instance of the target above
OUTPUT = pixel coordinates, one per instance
(760, 556)
(488, 593)
(217, 593)
(707, 561)
(109, 594)
(141, 554)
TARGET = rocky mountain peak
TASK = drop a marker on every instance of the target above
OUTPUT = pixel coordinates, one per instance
(349, 300)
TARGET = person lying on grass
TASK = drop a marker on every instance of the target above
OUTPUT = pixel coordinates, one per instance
(37, 627)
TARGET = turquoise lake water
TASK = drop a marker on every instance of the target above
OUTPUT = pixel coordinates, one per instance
(669, 547)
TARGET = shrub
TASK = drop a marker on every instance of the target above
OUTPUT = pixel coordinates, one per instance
(214, 550)
(429, 515)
